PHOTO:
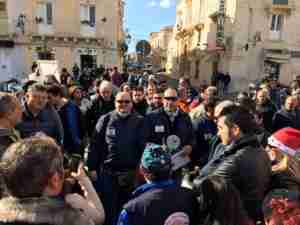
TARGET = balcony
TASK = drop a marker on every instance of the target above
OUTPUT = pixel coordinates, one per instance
(87, 29)
(275, 35)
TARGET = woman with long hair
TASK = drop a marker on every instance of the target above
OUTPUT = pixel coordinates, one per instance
(283, 149)
(220, 203)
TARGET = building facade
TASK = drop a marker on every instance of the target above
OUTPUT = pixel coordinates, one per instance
(159, 42)
(246, 38)
(86, 32)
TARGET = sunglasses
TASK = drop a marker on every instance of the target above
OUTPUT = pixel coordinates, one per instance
(171, 98)
(123, 101)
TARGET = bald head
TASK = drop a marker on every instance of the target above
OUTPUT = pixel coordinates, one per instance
(171, 91)
(105, 90)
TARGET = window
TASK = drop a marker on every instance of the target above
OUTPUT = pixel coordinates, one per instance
(88, 15)
(2, 6)
(199, 37)
(276, 23)
(45, 13)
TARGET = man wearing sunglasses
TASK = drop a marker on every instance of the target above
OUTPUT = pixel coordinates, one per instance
(170, 126)
(115, 151)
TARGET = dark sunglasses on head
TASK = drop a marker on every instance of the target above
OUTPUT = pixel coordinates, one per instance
(171, 98)
(123, 101)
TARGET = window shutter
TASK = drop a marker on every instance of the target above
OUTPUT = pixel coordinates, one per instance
(40, 11)
(92, 14)
(49, 13)
(82, 13)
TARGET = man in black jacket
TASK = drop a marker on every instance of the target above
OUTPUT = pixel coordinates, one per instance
(288, 116)
(242, 161)
(139, 101)
(170, 126)
(151, 202)
(102, 104)
(115, 151)
(266, 107)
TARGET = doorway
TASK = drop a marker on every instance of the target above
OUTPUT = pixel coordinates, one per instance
(88, 61)
(272, 68)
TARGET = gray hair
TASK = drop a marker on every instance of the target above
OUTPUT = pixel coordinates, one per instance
(37, 88)
(105, 84)
(27, 166)
(8, 104)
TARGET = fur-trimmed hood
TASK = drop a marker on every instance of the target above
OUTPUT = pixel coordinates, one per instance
(40, 211)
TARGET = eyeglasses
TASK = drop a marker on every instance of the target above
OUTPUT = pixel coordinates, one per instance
(171, 98)
(123, 101)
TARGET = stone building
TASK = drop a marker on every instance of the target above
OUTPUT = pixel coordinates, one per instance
(159, 42)
(86, 32)
(246, 38)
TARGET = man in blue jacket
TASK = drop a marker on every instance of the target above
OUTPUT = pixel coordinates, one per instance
(38, 116)
(151, 202)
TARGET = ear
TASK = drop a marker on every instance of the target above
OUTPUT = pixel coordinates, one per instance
(236, 130)
(55, 182)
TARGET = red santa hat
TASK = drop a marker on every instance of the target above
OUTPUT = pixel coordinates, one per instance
(286, 140)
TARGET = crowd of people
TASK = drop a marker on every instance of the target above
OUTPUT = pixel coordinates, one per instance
(126, 150)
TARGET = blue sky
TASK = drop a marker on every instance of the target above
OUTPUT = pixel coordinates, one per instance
(145, 16)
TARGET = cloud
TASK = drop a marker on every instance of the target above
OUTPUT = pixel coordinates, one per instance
(165, 3)
(152, 3)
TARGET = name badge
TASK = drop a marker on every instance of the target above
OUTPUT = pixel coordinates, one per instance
(111, 131)
(159, 129)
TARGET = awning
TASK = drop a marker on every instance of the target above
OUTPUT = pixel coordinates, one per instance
(275, 45)
(278, 58)
(278, 61)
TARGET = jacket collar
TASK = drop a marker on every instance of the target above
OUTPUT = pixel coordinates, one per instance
(153, 185)
(248, 140)
(28, 113)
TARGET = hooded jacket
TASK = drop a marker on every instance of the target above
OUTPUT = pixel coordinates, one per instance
(40, 211)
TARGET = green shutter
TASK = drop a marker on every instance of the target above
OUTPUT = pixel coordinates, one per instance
(280, 2)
